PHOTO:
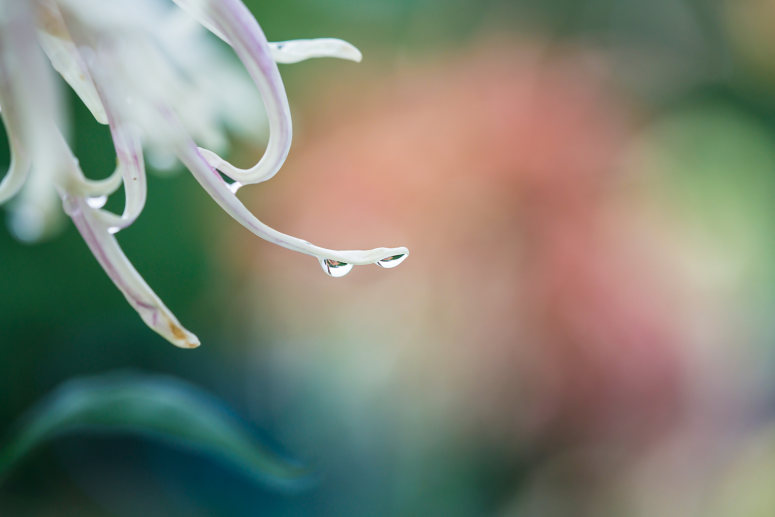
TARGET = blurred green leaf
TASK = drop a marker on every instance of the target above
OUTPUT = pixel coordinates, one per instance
(152, 406)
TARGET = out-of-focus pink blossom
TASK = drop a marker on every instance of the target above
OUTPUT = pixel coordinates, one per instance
(530, 306)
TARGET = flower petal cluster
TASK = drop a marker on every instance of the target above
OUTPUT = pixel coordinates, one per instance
(143, 68)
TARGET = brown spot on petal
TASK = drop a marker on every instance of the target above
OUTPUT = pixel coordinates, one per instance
(177, 331)
(181, 338)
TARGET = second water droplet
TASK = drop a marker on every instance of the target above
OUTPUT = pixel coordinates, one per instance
(392, 261)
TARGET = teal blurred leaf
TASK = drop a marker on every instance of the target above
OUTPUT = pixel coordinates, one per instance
(152, 406)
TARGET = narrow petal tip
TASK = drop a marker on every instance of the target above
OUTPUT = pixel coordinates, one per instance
(180, 337)
(294, 51)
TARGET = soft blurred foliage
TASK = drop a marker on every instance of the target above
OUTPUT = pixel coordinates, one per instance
(156, 407)
(584, 325)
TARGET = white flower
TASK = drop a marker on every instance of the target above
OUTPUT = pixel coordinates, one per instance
(143, 68)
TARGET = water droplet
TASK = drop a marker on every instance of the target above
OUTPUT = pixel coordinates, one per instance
(97, 202)
(335, 268)
(392, 261)
(235, 186)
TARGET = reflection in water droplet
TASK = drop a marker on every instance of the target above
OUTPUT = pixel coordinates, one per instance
(335, 268)
(392, 261)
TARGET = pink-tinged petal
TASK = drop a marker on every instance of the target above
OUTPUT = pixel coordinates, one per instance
(232, 21)
(129, 156)
(126, 278)
(97, 226)
(131, 167)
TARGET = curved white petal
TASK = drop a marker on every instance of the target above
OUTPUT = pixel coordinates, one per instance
(223, 194)
(20, 159)
(129, 156)
(30, 113)
(86, 187)
(296, 50)
(131, 169)
(232, 21)
(15, 106)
